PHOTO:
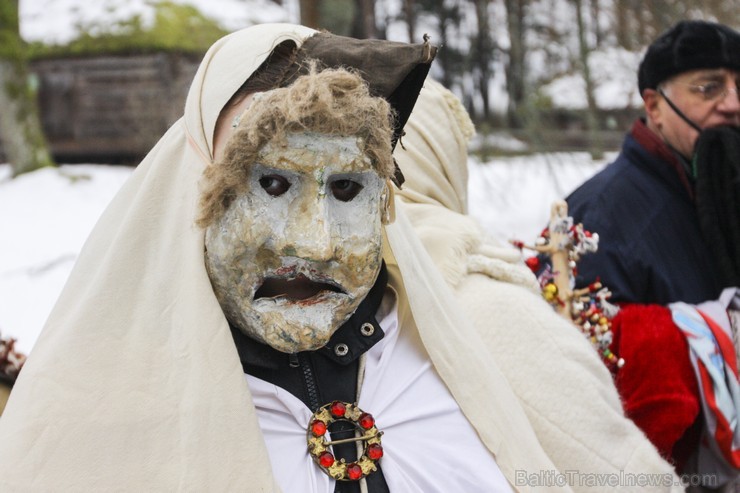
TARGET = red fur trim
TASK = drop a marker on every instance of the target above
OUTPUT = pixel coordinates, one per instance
(657, 383)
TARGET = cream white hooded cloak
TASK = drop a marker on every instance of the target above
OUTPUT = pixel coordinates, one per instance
(565, 390)
(135, 383)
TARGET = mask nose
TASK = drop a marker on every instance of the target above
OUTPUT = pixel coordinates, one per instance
(308, 235)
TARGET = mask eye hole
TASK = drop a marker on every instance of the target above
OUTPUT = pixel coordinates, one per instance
(274, 185)
(345, 190)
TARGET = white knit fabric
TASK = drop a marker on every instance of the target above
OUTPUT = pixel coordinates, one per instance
(565, 390)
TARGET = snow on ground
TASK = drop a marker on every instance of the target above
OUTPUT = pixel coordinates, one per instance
(511, 197)
(45, 217)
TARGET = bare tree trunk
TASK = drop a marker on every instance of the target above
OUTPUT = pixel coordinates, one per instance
(595, 14)
(368, 16)
(20, 127)
(515, 68)
(641, 20)
(591, 111)
(410, 13)
(621, 12)
(443, 54)
(664, 15)
(310, 13)
(483, 54)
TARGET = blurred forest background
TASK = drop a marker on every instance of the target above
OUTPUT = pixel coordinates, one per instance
(536, 75)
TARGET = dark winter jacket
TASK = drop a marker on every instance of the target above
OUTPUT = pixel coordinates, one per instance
(650, 249)
(651, 253)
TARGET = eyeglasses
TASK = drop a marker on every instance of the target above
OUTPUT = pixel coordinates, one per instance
(712, 91)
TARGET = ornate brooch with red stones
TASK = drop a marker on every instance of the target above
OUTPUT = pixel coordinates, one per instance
(319, 447)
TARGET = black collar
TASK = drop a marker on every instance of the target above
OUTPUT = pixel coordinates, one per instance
(354, 335)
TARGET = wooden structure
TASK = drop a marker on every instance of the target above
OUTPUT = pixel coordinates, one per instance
(111, 108)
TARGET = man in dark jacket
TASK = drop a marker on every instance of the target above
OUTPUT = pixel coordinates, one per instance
(668, 215)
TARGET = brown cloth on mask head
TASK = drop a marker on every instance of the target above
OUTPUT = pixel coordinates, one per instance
(717, 161)
(394, 71)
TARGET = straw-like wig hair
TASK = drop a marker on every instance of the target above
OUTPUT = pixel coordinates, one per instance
(330, 101)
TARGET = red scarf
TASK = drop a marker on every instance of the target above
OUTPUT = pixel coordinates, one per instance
(652, 143)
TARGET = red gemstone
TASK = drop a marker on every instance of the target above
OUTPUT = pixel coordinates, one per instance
(338, 409)
(533, 263)
(375, 451)
(354, 472)
(366, 421)
(318, 428)
(326, 459)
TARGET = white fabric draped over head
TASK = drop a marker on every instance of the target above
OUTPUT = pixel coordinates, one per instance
(135, 383)
(434, 158)
(565, 389)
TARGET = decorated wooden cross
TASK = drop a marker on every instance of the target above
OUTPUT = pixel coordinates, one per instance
(563, 244)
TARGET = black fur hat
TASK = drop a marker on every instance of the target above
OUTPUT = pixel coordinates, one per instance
(689, 45)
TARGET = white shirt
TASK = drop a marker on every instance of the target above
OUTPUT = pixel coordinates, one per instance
(428, 444)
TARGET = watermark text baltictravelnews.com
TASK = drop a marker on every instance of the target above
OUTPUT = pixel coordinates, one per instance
(553, 478)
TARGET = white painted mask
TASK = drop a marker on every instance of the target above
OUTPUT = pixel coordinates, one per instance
(293, 256)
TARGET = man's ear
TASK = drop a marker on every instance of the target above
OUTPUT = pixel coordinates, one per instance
(651, 99)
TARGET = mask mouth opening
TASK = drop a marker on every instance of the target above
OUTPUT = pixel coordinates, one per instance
(298, 288)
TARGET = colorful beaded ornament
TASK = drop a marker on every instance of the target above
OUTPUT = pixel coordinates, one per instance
(318, 446)
(588, 308)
